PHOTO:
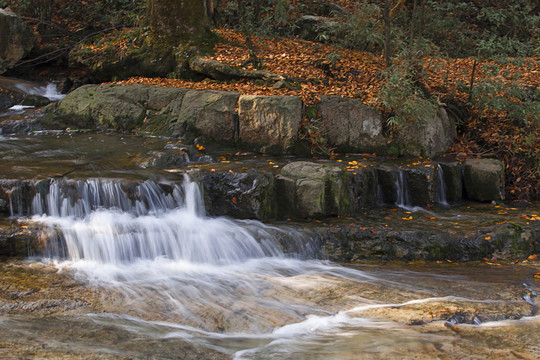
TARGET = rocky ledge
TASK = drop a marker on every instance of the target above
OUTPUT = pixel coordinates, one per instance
(266, 124)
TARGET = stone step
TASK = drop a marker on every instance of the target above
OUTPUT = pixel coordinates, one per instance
(301, 190)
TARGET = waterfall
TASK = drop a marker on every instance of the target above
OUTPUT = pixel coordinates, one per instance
(110, 223)
(441, 189)
(68, 198)
(156, 246)
(50, 91)
(402, 189)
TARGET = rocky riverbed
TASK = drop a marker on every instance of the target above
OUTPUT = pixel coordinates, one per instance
(415, 310)
(137, 246)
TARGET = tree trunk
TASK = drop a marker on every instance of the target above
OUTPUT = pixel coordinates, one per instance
(175, 22)
(387, 33)
(412, 30)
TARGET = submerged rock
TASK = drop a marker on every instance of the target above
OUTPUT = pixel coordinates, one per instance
(161, 159)
(371, 240)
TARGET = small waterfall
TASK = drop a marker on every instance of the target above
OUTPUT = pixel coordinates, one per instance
(403, 198)
(50, 91)
(441, 188)
(68, 198)
(159, 248)
(113, 223)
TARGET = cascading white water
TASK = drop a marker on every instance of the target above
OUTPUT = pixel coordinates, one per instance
(402, 190)
(81, 198)
(200, 274)
(50, 91)
(103, 222)
(441, 189)
(170, 272)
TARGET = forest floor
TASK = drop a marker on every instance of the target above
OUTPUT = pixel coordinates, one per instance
(328, 70)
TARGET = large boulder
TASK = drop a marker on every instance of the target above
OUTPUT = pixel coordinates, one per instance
(160, 110)
(350, 125)
(313, 190)
(269, 124)
(211, 113)
(93, 105)
(17, 39)
(427, 138)
(117, 107)
(314, 28)
(484, 179)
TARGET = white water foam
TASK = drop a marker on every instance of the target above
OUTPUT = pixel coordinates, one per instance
(222, 283)
(20, 107)
(50, 91)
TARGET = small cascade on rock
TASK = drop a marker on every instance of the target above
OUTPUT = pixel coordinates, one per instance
(112, 222)
(441, 187)
(403, 198)
(69, 198)
(50, 91)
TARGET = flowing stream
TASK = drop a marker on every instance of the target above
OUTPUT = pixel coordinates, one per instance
(138, 270)
(173, 274)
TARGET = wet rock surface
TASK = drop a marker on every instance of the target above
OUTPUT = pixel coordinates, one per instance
(422, 310)
(241, 195)
(313, 190)
(16, 92)
(18, 239)
(37, 298)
